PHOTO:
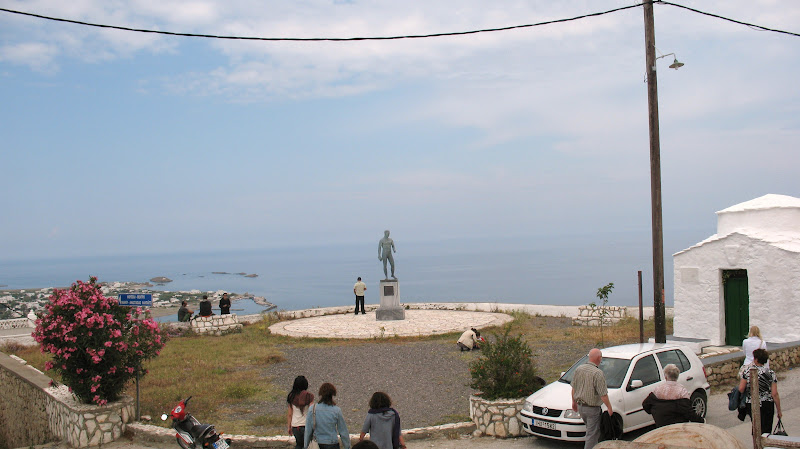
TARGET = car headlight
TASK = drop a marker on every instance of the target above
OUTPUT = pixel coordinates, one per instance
(528, 407)
(571, 414)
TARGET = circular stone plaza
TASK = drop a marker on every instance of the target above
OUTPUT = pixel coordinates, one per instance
(416, 323)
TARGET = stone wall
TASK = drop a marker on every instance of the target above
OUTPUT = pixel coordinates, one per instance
(23, 409)
(216, 324)
(496, 418)
(590, 316)
(726, 370)
(16, 323)
(83, 425)
(33, 413)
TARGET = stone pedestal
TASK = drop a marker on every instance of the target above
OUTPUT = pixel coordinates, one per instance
(390, 308)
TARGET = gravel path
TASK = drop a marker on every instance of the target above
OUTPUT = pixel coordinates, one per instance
(427, 381)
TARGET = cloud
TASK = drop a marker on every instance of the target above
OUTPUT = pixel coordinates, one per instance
(37, 56)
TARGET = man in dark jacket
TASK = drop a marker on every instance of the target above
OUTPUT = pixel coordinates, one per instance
(670, 403)
(205, 307)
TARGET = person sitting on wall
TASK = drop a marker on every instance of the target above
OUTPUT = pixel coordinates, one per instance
(205, 307)
(184, 313)
(469, 339)
(669, 403)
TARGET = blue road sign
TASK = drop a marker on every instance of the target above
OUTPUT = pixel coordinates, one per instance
(136, 299)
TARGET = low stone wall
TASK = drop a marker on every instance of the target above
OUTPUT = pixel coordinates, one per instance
(83, 425)
(496, 418)
(724, 370)
(151, 433)
(590, 316)
(16, 323)
(33, 413)
(216, 324)
(23, 408)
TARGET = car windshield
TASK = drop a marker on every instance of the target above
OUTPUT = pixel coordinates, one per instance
(613, 369)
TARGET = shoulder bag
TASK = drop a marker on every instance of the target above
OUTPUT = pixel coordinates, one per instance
(313, 444)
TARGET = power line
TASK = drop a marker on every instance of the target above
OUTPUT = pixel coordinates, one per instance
(382, 38)
(752, 25)
(315, 39)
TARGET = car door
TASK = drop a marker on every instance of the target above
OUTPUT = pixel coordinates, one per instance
(645, 370)
(689, 376)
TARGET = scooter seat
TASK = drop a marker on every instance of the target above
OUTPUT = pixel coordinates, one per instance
(200, 430)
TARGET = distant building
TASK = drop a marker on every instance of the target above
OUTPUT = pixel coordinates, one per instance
(748, 273)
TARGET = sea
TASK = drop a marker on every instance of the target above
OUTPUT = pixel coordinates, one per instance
(557, 270)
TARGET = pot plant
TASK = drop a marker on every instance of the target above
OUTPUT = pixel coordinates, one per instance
(504, 376)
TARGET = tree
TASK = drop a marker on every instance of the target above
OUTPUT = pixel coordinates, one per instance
(602, 311)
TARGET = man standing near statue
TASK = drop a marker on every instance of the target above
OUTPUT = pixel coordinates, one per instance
(385, 250)
(358, 289)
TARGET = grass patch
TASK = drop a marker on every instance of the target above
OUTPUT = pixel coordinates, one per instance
(239, 391)
(225, 374)
(449, 419)
(269, 421)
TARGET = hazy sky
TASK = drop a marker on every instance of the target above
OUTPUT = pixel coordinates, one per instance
(116, 142)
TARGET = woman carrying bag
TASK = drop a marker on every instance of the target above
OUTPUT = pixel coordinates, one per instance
(326, 422)
(767, 390)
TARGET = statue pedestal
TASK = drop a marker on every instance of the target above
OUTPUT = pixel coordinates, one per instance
(390, 308)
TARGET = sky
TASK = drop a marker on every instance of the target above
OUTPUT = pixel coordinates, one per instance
(116, 142)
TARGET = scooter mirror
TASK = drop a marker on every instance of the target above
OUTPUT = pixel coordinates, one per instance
(164, 417)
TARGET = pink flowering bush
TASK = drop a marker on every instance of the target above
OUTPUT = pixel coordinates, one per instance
(96, 343)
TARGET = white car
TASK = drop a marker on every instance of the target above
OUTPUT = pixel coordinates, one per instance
(632, 372)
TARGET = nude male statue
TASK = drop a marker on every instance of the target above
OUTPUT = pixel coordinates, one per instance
(385, 250)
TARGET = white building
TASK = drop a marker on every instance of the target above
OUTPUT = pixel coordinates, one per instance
(746, 274)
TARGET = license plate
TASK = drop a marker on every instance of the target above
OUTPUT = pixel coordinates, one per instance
(220, 444)
(544, 424)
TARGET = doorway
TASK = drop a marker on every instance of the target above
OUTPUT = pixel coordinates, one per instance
(737, 306)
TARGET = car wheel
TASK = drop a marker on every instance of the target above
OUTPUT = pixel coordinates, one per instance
(699, 404)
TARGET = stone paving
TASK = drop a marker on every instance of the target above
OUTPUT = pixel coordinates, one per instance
(417, 323)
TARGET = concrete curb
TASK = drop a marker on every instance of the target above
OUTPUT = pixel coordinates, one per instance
(156, 434)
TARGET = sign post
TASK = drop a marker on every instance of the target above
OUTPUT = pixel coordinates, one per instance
(136, 299)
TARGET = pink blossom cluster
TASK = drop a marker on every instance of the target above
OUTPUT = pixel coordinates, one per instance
(96, 344)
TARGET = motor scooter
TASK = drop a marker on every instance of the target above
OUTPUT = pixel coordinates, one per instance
(190, 433)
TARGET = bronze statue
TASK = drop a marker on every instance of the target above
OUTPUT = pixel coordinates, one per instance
(385, 250)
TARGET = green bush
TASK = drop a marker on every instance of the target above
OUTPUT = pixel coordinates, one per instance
(505, 370)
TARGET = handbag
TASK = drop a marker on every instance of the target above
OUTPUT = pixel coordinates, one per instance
(779, 430)
(313, 443)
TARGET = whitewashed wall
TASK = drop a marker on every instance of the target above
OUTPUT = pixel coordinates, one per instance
(773, 283)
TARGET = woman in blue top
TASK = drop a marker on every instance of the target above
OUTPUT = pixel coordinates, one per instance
(325, 421)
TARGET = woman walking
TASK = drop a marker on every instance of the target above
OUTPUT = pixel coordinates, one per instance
(382, 423)
(298, 401)
(751, 343)
(767, 390)
(325, 421)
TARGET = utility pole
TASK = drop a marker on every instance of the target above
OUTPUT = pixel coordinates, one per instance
(655, 173)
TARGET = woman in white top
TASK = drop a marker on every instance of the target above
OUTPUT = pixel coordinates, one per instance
(298, 400)
(751, 343)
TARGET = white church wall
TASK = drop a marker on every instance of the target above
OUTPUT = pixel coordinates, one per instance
(776, 220)
(773, 277)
